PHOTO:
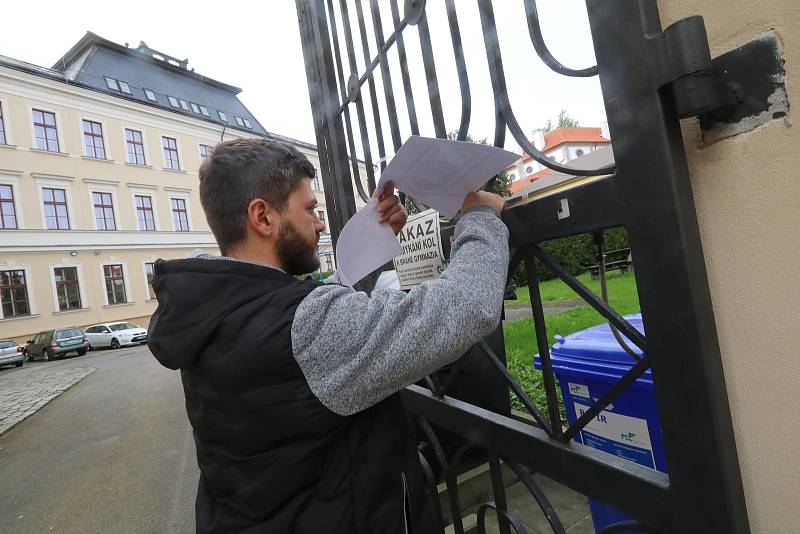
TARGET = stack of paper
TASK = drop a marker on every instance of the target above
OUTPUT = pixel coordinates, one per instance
(437, 172)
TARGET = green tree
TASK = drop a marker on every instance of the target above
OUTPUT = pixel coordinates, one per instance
(563, 121)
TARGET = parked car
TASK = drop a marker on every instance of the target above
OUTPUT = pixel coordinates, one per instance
(55, 343)
(115, 335)
(11, 352)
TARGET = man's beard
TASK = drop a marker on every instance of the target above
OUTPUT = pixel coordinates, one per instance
(297, 256)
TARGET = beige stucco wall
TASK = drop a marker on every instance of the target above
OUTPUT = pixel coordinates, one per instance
(747, 191)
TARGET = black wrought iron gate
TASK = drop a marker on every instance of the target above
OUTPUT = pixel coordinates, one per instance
(650, 78)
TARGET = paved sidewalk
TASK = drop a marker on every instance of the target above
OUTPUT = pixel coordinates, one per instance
(22, 396)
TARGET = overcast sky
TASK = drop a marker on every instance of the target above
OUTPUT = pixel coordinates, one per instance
(256, 46)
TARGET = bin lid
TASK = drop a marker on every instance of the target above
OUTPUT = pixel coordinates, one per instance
(594, 352)
(597, 343)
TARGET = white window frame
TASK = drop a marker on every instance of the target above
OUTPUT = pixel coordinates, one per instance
(151, 259)
(7, 123)
(147, 191)
(59, 129)
(181, 162)
(13, 180)
(125, 278)
(200, 145)
(103, 187)
(56, 182)
(148, 162)
(81, 285)
(11, 265)
(104, 126)
(186, 196)
(108, 86)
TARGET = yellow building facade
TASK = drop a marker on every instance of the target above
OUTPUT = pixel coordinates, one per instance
(94, 188)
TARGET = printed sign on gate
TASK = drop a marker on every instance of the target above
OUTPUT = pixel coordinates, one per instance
(421, 258)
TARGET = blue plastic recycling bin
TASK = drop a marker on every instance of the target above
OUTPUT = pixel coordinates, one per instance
(587, 364)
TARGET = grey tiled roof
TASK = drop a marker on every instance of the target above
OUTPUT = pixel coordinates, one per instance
(140, 70)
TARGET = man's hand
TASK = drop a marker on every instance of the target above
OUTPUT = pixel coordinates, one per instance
(483, 198)
(390, 210)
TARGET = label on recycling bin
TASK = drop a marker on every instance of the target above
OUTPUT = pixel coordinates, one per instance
(621, 435)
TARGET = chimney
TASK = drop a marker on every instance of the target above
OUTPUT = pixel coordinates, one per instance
(538, 139)
(604, 130)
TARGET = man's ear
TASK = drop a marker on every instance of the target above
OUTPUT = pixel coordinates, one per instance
(262, 218)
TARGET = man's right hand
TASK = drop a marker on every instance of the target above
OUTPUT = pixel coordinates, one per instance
(483, 198)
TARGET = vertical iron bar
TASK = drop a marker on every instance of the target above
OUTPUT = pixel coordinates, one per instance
(343, 95)
(362, 120)
(543, 344)
(376, 116)
(499, 491)
(430, 76)
(328, 126)
(461, 68)
(401, 52)
(388, 88)
(677, 311)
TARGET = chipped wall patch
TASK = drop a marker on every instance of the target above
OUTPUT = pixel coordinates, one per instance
(755, 74)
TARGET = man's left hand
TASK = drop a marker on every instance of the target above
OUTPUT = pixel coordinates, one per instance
(390, 210)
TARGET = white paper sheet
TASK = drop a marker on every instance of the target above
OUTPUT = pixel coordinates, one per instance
(439, 173)
(364, 245)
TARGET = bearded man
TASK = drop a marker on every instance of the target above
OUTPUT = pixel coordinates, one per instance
(292, 385)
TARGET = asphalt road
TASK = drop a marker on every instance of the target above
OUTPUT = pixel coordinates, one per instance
(112, 454)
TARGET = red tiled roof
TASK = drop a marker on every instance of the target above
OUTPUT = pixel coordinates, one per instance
(559, 136)
(522, 182)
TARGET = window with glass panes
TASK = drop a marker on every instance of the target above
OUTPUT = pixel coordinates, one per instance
(67, 288)
(179, 216)
(93, 140)
(149, 272)
(56, 216)
(44, 130)
(144, 213)
(321, 215)
(103, 211)
(14, 293)
(133, 139)
(205, 152)
(2, 127)
(170, 146)
(8, 212)
(115, 284)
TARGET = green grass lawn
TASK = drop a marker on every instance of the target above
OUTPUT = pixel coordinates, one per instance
(520, 337)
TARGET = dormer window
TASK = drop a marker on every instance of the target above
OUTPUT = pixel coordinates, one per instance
(111, 83)
(195, 107)
(125, 88)
(151, 96)
(222, 116)
(184, 105)
(247, 123)
(239, 120)
(173, 101)
(204, 110)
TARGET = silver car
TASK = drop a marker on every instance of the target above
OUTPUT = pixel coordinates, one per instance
(115, 335)
(11, 352)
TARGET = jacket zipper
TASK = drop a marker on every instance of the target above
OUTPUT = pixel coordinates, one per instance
(406, 504)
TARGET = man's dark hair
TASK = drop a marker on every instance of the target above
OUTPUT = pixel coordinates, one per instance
(239, 171)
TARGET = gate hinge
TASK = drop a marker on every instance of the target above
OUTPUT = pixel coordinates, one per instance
(683, 63)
